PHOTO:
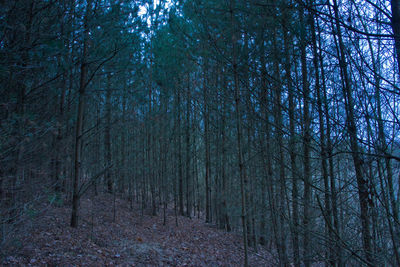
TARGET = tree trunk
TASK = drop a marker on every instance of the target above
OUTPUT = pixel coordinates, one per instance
(225, 216)
(395, 20)
(79, 119)
(180, 174)
(323, 152)
(123, 178)
(206, 143)
(292, 150)
(107, 136)
(329, 152)
(281, 186)
(362, 183)
(307, 257)
(188, 155)
(242, 171)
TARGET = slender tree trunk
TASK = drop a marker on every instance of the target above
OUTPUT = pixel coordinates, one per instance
(395, 20)
(107, 136)
(79, 120)
(150, 146)
(60, 120)
(59, 138)
(180, 174)
(206, 143)
(242, 170)
(362, 183)
(188, 155)
(307, 257)
(328, 215)
(123, 177)
(292, 150)
(280, 227)
(163, 158)
(225, 215)
(329, 152)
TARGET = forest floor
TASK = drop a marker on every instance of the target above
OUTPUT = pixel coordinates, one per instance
(130, 240)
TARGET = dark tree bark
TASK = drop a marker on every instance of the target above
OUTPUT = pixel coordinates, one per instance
(206, 144)
(242, 170)
(107, 136)
(292, 149)
(307, 256)
(331, 260)
(281, 179)
(180, 173)
(188, 155)
(329, 151)
(79, 120)
(224, 215)
(395, 5)
(362, 182)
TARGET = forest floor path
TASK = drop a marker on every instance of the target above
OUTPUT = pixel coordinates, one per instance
(130, 240)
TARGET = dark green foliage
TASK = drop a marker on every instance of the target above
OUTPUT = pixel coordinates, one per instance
(315, 84)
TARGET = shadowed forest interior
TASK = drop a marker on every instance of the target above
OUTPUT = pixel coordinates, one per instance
(273, 124)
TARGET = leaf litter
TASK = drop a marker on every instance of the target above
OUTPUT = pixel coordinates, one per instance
(131, 240)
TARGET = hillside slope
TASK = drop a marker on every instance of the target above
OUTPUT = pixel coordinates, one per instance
(132, 240)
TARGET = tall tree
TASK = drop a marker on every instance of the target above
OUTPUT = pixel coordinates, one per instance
(362, 183)
(83, 82)
(242, 171)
